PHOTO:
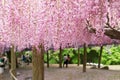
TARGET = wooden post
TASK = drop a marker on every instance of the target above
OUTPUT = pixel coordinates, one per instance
(84, 58)
(78, 57)
(100, 55)
(58, 30)
(60, 58)
(17, 66)
(13, 62)
(38, 63)
(9, 57)
(47, 59)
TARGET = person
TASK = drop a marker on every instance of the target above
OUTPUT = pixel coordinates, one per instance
(23, 58)
(5, 60)
(68, 58)
(28, 58)
(65, 60)
(2, 64)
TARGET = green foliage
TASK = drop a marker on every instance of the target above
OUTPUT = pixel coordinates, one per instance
(18, 54)
(53, 57)
(92, 56)
(110, 55)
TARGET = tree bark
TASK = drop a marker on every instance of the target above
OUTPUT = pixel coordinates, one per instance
(60, 58)
(112, 33)
(47, 59)
(38, 63)
(13, 62)
(84, 58)
(78, 57)
(100, 55)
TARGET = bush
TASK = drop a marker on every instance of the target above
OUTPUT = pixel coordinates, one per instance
(110, 56)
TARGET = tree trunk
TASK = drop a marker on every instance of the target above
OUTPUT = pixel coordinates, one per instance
(99, 60)
(78, 57)
(13, 62)
(60, 58)
(84, 58)
(47, 59)
(38, 63)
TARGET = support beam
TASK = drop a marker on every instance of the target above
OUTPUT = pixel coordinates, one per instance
(60, 58)
(78, 57)
(47, 59)
(100, 55)
(9, 57)
(38, 63)
(84, 58)
(13, 62)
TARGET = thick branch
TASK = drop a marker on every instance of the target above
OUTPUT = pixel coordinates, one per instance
(109, 30)
(112, 33)
(89, 27)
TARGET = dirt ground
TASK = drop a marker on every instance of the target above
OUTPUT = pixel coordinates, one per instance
(73, 72)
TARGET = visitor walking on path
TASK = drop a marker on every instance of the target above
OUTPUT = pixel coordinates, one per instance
(66, 60)
(27, 58)
(3, 60)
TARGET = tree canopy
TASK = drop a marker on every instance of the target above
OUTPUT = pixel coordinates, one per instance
(69, 23)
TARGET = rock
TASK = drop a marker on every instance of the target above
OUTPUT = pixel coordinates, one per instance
(18, 74)
(105, 68)
(93, 67)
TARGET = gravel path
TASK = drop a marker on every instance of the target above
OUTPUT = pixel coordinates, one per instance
(73, 72)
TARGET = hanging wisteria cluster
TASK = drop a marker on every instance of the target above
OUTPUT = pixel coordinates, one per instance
(24, 23)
